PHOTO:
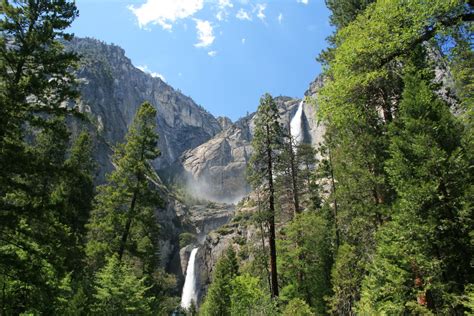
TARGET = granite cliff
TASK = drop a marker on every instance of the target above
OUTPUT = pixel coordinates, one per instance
(209, 154)
(112, 89)
(216, 169)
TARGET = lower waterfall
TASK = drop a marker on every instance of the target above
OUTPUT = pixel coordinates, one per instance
(296, 124)
(189, 290)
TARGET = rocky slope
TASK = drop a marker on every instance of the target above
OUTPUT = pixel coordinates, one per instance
(112, 89)
(216, 169)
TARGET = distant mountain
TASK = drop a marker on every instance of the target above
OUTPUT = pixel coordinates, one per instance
(112, 90)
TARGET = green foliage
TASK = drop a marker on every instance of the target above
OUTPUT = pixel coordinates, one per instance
(400, 166)
(430, 171)
(123, 219)
(35, 80)
(247, 297)
(120, 291)
(266, 144)
(346, 277)
(394, 29)
(468, 299)
(306, 259)
(297, 307)
(218, 299)
(186, 239)
(345, 11)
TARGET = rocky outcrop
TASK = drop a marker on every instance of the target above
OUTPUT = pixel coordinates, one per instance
(239, 233)
(112, 89)
(203, 219)
(216, 169)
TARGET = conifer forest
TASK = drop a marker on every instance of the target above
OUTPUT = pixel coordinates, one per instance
(119, 195)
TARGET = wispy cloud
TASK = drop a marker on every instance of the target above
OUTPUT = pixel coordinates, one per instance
(212, 53)
(204, 33)
(243, 15)
(260, 8)
(303, 1)
(243, 40)
(223, 7)
(280, 18)
(165, 12)
(147, 70)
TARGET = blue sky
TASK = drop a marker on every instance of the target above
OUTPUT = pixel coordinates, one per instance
(223, 53)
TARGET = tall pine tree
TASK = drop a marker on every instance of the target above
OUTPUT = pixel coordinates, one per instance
(266, 143)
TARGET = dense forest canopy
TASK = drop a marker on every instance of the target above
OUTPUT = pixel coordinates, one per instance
(378, 219)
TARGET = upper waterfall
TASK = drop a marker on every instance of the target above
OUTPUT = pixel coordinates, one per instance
(189, 290)
(296, 124)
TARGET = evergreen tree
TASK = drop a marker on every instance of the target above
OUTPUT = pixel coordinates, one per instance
(423, 259)
(123, 220)
(247, 296)
(74, 195)
(35, 81)
(297, 307)
(266, 144)
(119, 291)
(306, 260)
(218, 298)
(287, 175)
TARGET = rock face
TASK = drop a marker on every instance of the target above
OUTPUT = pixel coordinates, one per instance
(112, 89)
(216, 169)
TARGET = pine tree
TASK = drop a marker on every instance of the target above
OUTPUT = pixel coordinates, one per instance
(123, 221)
(266, 144)
(423, 260)
(35, 81)
(119, 291)
(68, 186)
(305, 259)
(248, 297)
(287, 175)
(218, 298)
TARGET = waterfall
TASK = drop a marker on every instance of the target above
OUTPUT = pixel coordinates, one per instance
(189, 289)
(296, 124)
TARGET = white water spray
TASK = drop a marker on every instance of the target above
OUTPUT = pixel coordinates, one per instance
(296, 124)
(189, 289)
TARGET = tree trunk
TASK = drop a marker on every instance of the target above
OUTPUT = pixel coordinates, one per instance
(272, 238)
(126, 232)
(294, 176)
(262, 231)
(333, 185)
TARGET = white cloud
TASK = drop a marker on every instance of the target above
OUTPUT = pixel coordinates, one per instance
(244, 40)
(223, 7)
(165, 12)
(243, 15)
(280, 17)
(303, 1)
(220, 15)
(147, 70)
(225, 4)
(204, 33)
(260, 8)
(212, 53)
